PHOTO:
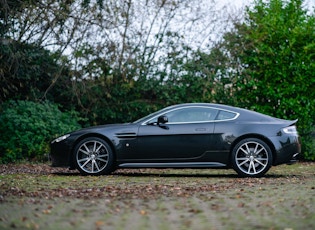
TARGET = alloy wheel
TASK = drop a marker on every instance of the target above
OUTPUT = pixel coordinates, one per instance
(252, 158)
(93, 156)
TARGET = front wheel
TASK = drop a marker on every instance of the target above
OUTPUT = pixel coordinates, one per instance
(93, 156)
(251, 157)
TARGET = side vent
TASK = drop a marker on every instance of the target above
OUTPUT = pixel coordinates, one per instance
(125, 135)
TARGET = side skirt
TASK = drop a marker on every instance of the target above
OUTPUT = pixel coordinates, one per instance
(174, 165)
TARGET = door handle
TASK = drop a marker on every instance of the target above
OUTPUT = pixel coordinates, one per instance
(200, 129)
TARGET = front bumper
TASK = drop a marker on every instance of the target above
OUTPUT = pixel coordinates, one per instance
(60, 154)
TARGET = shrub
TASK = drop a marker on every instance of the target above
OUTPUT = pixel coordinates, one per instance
(27, 127)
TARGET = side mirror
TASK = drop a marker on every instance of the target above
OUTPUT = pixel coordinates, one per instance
(162, 119)
(161, 122)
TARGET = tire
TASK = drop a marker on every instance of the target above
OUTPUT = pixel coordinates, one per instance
(251, 157)
(93, 156)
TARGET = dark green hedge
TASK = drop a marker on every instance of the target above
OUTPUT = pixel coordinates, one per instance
(27, 127)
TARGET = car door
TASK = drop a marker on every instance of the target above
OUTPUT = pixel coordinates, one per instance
(185, 136)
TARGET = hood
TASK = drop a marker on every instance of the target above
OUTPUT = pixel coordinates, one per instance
(99, 128)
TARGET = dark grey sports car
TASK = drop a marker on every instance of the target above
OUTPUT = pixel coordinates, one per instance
(196, 135)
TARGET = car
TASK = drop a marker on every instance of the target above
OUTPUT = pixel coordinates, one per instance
(191, 135)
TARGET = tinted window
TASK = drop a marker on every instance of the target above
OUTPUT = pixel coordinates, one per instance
(225, 115)
(194, 114)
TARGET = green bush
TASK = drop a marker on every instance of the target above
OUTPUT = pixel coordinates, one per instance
(27, 127)
(308, 146)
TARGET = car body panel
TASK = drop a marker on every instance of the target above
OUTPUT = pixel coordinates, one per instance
(178, 141)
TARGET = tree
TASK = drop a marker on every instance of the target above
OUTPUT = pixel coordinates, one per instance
(27, 71)
(7, 11)
(272, 52)
(111, 43)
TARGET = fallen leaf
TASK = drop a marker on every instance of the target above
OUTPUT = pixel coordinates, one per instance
(143, 212)
(99, 223)
(241, 205)
(46, 211)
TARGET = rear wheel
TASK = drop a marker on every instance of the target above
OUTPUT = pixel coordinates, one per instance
(251, 157)
(93, 156)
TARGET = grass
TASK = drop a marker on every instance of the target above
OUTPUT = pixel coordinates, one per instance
(36, 197)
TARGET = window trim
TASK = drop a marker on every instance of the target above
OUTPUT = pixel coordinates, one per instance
(193, 122)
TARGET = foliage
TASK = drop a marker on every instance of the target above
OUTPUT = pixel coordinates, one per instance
(26, 71)
(273, 54)
(8, 8)
(178, 77)
(27, 127)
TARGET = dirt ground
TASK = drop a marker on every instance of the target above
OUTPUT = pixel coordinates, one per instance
(36, 196)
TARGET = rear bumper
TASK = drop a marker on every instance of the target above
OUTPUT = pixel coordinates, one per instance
(294, 159)
(287, 150)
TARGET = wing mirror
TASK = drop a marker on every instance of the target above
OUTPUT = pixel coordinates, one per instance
(161, 121)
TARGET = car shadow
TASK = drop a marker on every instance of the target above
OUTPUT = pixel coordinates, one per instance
(197, 175)
(179, 175)
(121, 173)
(72, 173)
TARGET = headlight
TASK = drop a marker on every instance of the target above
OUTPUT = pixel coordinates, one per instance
(290, 130)
(61, 138)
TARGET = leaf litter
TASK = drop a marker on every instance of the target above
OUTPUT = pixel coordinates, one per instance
(218, 196)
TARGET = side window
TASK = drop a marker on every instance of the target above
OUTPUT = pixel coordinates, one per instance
(194, 114)
(225, 115)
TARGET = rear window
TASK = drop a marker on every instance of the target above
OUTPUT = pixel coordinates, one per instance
(225, 115)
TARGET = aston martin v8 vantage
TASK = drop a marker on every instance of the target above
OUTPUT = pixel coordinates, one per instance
(194, 135)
